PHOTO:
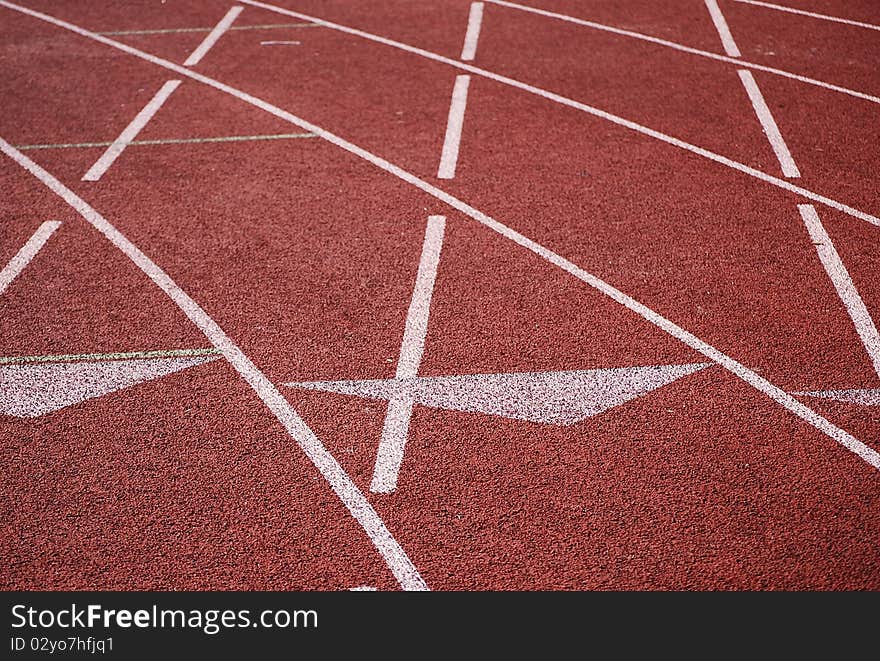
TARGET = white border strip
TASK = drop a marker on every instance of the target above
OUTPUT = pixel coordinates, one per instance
(396, 428)
(27, 252)
(675, 46)
(454, 125)
(550, 96)
(475, 20)
(355, 501)
(218, 31)
(768, 124)
(720, 22)
(130, 133)
(843, 283)
(801, 12)
(758, 382)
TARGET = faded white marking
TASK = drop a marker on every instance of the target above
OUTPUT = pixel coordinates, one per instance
(363, 588)
(221, 27)
(454, 124)
(557, 398)
(280, 43)
(868, 397)
(801, 12)
(718, 19)
(30, 390)
(615, 119)
(128, 135)
(768, 124)
(272, 26)
(168, 141)
(475, 20)
(354, 500)
(394, 432)
(27, 252)
(751, 377)
(846, 290)
(669, 44)
(73, 357)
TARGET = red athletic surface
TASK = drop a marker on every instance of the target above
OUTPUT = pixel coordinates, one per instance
(306, 256)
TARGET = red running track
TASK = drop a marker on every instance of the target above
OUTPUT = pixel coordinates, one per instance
(616, 202)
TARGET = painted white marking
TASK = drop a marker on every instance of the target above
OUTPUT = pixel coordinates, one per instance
(272, 26)
(396, 427)
(768, 124)
(354, 500)
(675, 46)
(27, 252)
(363, 588)
(751, 377)
(846, 290)
(869, 397)
(475, 20)
(718, 19)
(801, 12)
(73, 357)
(221, 27)
(454, 124)
(615, 119)
(31, 390)
(280, 43)
(168, 141)
(557, 398)
(130, 133)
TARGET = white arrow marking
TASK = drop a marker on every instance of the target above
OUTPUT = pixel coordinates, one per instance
(869, 397)
(561, 398)
(30, 390)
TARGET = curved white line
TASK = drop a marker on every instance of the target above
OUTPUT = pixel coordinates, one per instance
(758, 382)
(801, 12)
(399, 563)
(616, 119)
(681, 47)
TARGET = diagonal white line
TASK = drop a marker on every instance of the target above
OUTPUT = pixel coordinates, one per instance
(475, 20)
(221, 27)
(396, 427)
(130, 133)
(801, 12)
(24, 256)
(347, 491)
(771, 130)
(673, 45)
(454, 125)
(751, 377)
(718, 19)
(843, 283)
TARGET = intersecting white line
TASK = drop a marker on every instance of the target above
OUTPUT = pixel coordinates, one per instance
(354, 500)
(475, 19)
(843, 283)
(396, 428)
(130, 133)
(660, 42)
(221, 27)
(771, 130)
(720, 22)
(801, 12)
(454, 125)
(843, 438)
(27, 252)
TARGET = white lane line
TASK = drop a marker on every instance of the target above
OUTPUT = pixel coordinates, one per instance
(170, 141)
(454, 124)
(475, 20)
(24, 256)
(396, 427)
(751, 377)
(126, 355)
(221, 27)
(718, 19)
(130, 133)
(801, 12)
(844, 285)
(354, 500)
(669, 44)
(280, 43)
(771, 130)
(272, 26)
(550, 96)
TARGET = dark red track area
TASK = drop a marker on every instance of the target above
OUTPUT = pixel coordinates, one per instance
(305, 255)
